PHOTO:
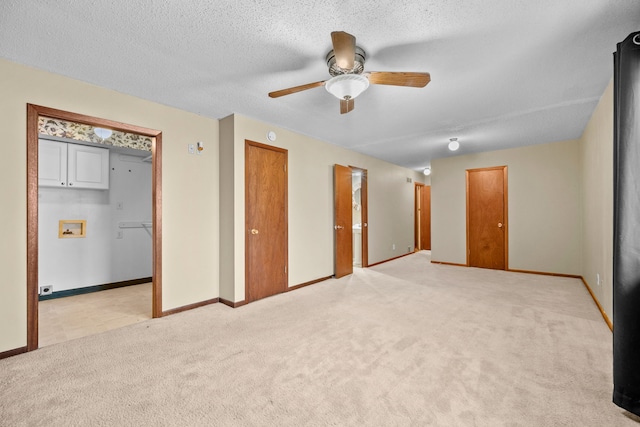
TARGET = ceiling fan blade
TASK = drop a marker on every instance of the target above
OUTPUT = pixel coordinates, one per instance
(344, 49)
(289, 91)
(399, 78)
(346, 105)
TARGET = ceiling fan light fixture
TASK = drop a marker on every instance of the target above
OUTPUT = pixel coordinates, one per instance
(347, 86)
(453, 144)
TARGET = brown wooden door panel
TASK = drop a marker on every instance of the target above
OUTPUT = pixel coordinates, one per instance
(266, 221)
(343, 222)
(425, 220)
(417, 193)
(422, 217)
(486, 218)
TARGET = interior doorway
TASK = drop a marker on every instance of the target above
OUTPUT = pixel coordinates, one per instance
(34, 113)
(487, 218)
(359, 217)
(422, 217)
(350, 218)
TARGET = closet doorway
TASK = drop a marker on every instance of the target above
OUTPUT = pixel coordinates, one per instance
(350, 219)
(34, 114)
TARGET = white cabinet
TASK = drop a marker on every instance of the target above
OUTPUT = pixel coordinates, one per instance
(52, 163)
(87, 167)
(61, 164)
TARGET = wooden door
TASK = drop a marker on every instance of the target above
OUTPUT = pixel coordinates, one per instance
(343, 222)
(425, 218)
(422, 217)
(487, 218)
(266, 221)
(417, 241)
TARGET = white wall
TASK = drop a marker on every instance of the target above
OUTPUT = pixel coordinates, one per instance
(596, 149)
(130, 187)
(544, 208)
(189, 187)
(100, 257)
(311, 161)
(73, 262)
(356, 212)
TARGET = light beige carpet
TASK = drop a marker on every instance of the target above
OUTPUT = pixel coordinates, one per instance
(402, 343)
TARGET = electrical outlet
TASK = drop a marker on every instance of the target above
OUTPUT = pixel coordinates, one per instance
(46, 290)
(408, 248)
(393, 247)
(598, 279)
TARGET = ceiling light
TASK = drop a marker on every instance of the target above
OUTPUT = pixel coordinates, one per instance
(453, 144)
(347, 86)
(427, 171)
(103, 133)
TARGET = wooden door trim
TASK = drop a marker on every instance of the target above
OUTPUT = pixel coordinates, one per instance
(505, 197)
(33, 114)
(364, 206)
(247, 144)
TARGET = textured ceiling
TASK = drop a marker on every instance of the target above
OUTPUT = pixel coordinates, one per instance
(505, 73)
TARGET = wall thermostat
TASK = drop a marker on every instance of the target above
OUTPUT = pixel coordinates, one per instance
(271, 135)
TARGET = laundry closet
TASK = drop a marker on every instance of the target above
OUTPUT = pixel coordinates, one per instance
(94, 209)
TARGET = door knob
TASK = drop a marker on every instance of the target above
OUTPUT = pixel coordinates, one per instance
(338, 227)
(254, 231)
(365, 224)
(499, 225)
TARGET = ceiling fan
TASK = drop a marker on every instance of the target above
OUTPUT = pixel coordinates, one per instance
(346, 66)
